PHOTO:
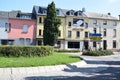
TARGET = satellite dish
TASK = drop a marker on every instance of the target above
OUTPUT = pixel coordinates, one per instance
(79, 22)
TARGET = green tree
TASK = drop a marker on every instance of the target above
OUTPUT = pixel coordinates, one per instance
(51, 26)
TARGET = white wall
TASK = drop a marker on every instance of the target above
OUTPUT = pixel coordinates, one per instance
(3, 33)
(100, 27)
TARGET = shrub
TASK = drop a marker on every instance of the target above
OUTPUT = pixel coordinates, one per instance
(67, 50)
(26, 51)
(98, 53)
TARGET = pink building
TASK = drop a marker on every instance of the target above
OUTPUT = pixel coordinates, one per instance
(22, 30)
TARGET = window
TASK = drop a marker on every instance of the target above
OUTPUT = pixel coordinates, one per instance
(114, 32)
(25, 28)
(94, 44)
(10, 42)
(59, 33)
(44, 11)
(58, 12)
(79, 13)
(86, 25)
(25, 17)
(72, 13)
(28, 41)
(104, 32)
(40, 19)
(86, 34)
(39, 32)
(73, 45)
(21, 41)
(114, 23)
(104, 22)
(7, 27)
(78, 22)
(39, 42)
(69, 34)
(58, 44)
(69, 24)
(95, 30)
(77, 33)
(114, 44)
(94, 21)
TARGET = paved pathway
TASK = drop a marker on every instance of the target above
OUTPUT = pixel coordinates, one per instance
(97, 68)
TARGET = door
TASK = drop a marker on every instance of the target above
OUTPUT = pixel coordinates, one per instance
(86, 45)
(104, 44)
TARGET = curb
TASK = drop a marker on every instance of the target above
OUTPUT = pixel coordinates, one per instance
(40, 69)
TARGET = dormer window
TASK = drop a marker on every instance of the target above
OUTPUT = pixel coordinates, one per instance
(25, 17)
(79, 13)
(58, 12)
(44, 11)
(72, 13)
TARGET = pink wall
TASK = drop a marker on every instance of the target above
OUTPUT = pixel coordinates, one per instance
(17, 28)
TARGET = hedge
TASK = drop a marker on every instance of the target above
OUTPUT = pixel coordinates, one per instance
(98, 53)
(26, 51)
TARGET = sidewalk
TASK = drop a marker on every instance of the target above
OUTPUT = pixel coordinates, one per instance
(43, 69)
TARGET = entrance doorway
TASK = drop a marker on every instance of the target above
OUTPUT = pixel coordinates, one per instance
(104, 44)
(86, 45)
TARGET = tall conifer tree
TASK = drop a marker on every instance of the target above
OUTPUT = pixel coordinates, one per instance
(51, 26)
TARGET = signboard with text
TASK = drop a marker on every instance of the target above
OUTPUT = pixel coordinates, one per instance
(95, 36)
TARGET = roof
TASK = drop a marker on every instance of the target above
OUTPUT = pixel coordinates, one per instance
(14, 14)
(11, 14)
(63, 12)
(99, 15)
(39, 10)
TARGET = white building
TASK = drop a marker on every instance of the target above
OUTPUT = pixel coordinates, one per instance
(106, 25)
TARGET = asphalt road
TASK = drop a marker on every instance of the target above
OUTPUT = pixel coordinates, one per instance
(112, 71)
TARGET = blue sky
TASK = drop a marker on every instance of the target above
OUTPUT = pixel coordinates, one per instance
(100, 6)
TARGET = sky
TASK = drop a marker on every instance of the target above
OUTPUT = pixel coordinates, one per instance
(99, 6)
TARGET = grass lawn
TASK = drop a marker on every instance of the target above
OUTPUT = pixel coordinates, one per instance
(55, 59)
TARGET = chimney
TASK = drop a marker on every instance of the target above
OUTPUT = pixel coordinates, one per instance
(119, 17)
(83, 10)
(109, 13)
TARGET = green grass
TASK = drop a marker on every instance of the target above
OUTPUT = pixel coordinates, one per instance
(55, 59)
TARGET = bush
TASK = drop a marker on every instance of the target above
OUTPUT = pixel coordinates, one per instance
(98, 53)
(26, 51)
(67, 50)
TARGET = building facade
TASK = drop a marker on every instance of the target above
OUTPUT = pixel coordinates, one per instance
(77, 26)
(18, 29)
(73, 29)
(107, 26)
(78, 30)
